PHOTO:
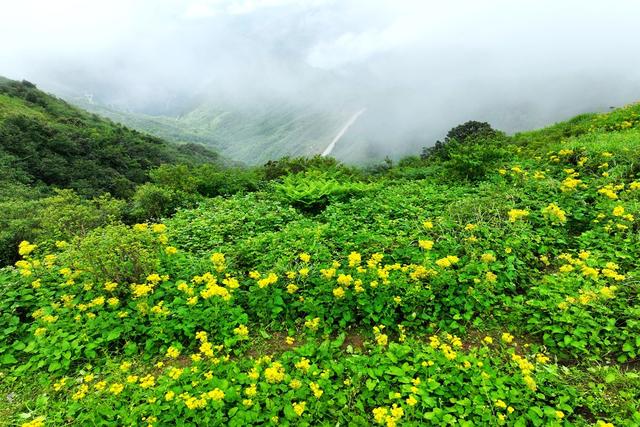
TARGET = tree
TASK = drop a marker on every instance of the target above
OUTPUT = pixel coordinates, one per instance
(468, 132)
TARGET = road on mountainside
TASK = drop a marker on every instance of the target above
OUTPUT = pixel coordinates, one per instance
(340, 134)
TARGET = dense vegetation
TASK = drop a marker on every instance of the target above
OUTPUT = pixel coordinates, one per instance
(491, 282)
(45, 140)
(46, 144)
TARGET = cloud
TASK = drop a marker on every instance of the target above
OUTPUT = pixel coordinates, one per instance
(209, 8)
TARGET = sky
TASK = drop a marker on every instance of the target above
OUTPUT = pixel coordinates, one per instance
(422, 66)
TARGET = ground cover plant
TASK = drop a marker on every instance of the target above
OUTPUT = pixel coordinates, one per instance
(495, 285)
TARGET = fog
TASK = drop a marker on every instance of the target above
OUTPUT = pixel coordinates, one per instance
(418, 67)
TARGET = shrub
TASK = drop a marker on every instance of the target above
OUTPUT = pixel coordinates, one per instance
(314, 191)
(115, 253)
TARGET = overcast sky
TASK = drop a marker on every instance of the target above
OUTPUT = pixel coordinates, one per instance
(443, 59)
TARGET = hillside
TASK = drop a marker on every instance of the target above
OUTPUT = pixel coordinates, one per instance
(494, 280)
(252, 135)
(44, 140)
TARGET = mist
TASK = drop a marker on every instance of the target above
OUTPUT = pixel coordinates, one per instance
(418, 67)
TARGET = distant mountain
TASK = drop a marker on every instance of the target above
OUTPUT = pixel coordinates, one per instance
(250, 134)
(44, 140)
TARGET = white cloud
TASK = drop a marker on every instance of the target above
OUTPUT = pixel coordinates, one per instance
(209, 8)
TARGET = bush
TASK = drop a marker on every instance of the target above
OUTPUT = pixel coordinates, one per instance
(61, 216)
(115, 253)
(275, 169)
(466, 133)
(314, 191)
(153, 202)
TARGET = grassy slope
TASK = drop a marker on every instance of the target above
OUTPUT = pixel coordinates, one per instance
(538, 285)
(53, 143)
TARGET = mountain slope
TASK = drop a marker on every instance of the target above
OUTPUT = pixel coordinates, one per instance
(44, 140)
(493, 282)
(249, 134)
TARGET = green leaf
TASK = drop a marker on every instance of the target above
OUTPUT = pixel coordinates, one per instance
(395, 370)
(114, 334)
(8, 359)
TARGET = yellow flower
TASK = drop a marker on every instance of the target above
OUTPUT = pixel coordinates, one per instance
(559, 415)
(303, 364)
(425, 244)
(379, 415)
(36, 422)
(354, 259)
(328, 273)
(148, 381)
(169, 395)
(490, 277)
(338, 292)
(216, 394)
(618, 210)
(305, 257)
(251, 391)
(275, 373)
(295, 384)
(427, 225)
(218, 260)
(488, 258)
(141, 227)
(291, 288)
(269, 280)
(566, 268)
(159, 228)
(25, 248)
(447, 261)
(175, 373)
(608, 291)
(317, 391)
(590, 272)
(554, 213)
(530, 383)
(290, 340)
(242, 331)
(173, 352)
(411, 400)
(515, 214)
(344, 280)
(299, 408)
(116, 388)
(541, 358)
(313, 323)
(171, 250)
(470, 227)
(500, 404)
(507, 337)
(569, 184)
(81, 392)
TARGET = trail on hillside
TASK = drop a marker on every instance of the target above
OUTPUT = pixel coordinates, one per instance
(340, 134)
